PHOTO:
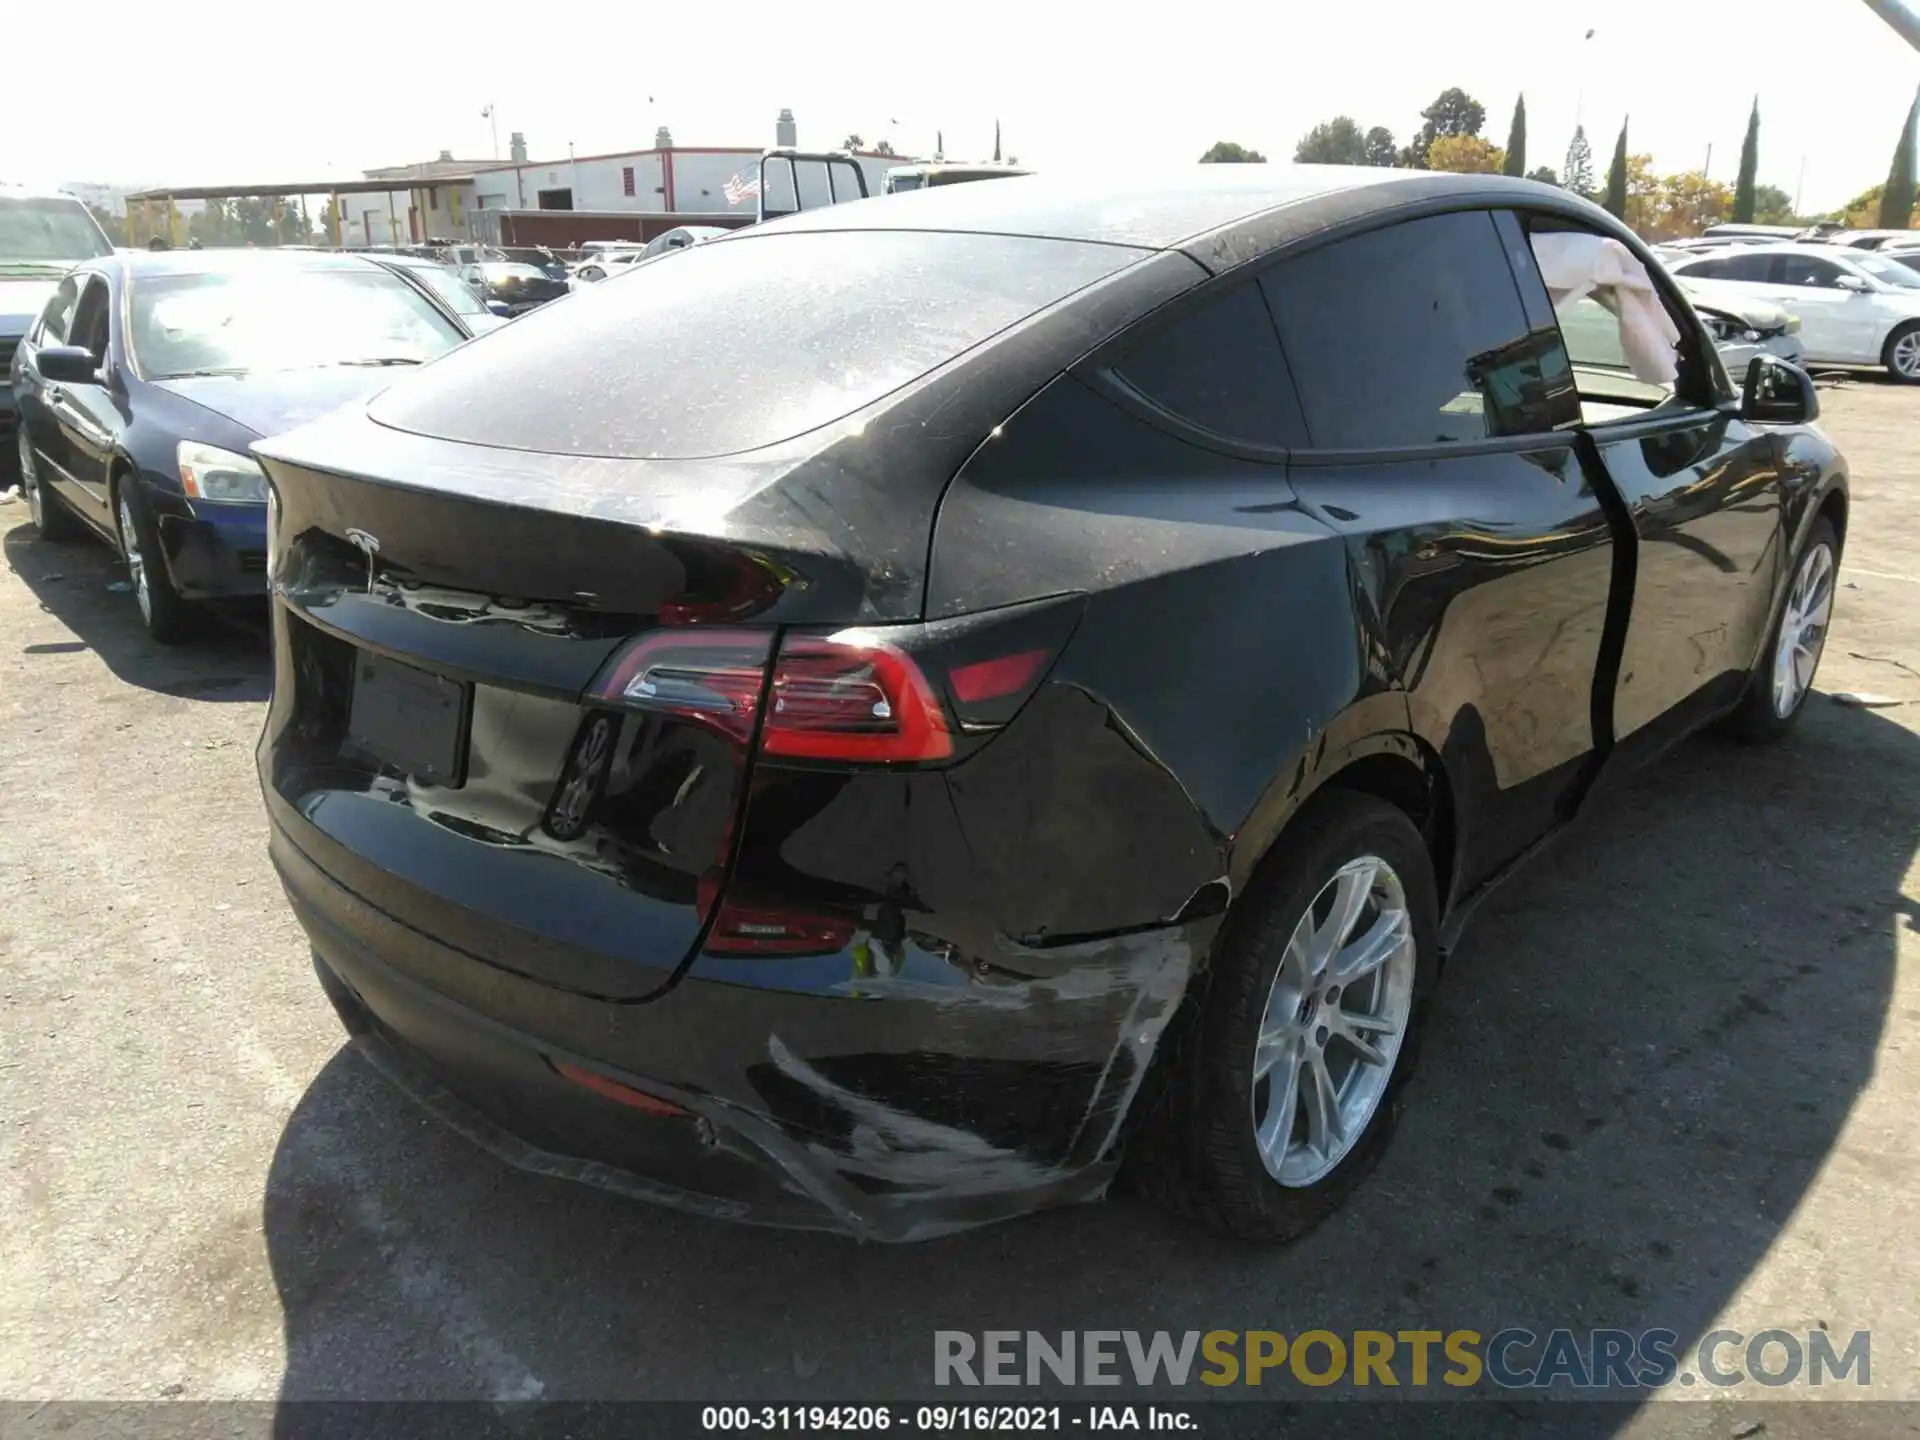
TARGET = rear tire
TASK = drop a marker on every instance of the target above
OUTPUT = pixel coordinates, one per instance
(1783, 679)
(1239, 1133)
(51, 518)
(168, 618)
(1902, 354)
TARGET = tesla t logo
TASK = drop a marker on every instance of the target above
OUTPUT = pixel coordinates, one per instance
(367, 545)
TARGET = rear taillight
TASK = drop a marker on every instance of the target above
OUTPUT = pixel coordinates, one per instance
(852, 697)
(885, 695)
(710, 677)
(847, 697)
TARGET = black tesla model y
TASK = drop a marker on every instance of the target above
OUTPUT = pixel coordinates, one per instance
(886, 717)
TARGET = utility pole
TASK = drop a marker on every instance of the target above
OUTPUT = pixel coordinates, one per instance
(1707, 169)
(1904, 20)
(1798, 185)
(494, 125)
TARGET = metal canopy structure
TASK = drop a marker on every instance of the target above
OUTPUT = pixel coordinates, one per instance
(168, 196)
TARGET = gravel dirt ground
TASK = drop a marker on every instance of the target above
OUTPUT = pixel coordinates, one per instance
(1672, 1082)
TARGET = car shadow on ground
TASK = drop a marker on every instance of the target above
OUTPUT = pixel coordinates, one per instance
(1643, 1054)
(226, 658)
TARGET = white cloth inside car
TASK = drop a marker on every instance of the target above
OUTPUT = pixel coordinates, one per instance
(1576, 265)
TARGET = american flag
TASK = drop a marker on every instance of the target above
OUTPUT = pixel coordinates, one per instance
(741, 188)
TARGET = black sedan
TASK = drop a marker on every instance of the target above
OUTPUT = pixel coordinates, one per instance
(148, 376)
(888, 718)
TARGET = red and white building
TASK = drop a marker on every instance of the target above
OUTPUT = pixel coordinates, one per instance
(631, 194)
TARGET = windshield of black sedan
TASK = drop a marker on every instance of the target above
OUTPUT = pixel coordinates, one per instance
(47, 232)
(281, 319)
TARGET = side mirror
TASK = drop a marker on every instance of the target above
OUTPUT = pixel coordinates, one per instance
(500, 307)
(1778, 393)
(68, 365)
(1854, 283)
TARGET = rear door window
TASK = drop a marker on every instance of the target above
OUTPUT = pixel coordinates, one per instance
(1414, 335)
(1219, 367)
(741, 343)
(59, 312)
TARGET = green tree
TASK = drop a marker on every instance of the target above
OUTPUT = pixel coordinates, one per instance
(1465, 155)
(1577, 173)
(1226, 152)
(114, 225)
(853, 142)
(1453, 112)
(1338, 141)
(1744, 199)
(1517, 140)
(1772, 206)
(1896, 200)
(1380, 147)
(1616, 201)
(1545, 175)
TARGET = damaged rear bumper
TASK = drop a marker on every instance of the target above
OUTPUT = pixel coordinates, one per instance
(889, 1110)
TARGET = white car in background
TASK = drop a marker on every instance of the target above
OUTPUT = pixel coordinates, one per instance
(601, 262)
(1742, 329)
(1856, 307)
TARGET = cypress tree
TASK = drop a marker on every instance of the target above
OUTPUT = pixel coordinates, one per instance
(1743, 201)
(1517, 139)
(1896, 200)
(1617, 176)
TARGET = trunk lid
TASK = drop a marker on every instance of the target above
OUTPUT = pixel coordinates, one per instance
(428, 745)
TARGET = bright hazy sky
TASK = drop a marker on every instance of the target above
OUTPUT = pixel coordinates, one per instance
(209, 91)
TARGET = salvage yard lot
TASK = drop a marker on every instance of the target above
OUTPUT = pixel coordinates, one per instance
(1671, 1082)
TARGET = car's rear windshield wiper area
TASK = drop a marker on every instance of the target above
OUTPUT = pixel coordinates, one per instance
(201, 374)
(384, 360)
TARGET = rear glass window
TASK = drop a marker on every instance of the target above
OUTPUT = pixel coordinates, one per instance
(730, 346)
(1220, 367)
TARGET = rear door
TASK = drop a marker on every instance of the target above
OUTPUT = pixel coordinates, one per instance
(1845, 323)
(1442, 427)
(83, 414)
(1703, 490)
(36, 415)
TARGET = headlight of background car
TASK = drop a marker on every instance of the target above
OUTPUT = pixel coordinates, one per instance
(210, 473)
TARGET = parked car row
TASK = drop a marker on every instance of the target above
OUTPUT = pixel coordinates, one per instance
(701, 816)
(1856, 306)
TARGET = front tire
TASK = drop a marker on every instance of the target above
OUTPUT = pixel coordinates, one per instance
(168, 618)
(1902, 354)
(49, 516)
(1284, 1083)
(1781, 682)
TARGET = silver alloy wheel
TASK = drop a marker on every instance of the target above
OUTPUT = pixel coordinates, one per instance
(1803, 629)
(1906, 355)
(30, 482)
(1334, 1022)
(136, 563)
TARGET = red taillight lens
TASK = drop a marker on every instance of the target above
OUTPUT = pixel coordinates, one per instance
(614, 1090)
(849, 697)
(712, 677)
(996, 679)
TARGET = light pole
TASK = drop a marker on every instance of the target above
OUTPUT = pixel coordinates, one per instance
(494, 125)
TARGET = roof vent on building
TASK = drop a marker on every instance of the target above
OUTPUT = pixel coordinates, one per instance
(663, 139)
(446, 154)
(517, 148)
(785, 132)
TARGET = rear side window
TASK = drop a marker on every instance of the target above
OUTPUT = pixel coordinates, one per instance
(1220, 368)
(1730, 267)
(730, 346)
(1414, 335)
(1804, 270)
